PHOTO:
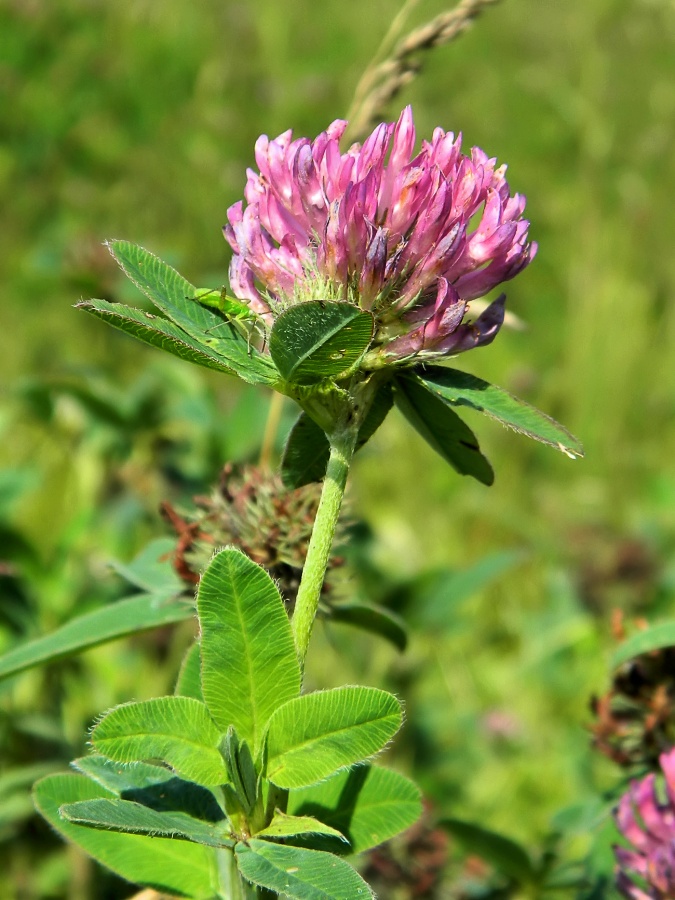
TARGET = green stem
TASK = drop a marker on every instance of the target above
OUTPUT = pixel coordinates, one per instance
(271, 428)
(232, 885)
(341, 451)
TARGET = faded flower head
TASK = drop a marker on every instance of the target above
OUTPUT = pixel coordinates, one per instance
(251, 509)
(411, 238)
(635, 719)
(649, 825)
(410, 866)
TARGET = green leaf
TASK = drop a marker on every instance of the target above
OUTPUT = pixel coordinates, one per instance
(114, 621)
(434, 598)
(152, 786)
(15, 800)
(305, 454)
(178, 730)
(299, 874)
(379, 409)
(119, 777)
(169, 291)
(312, 736)
(133, 818)
(167, 866)
(157, 332)
(460, 389)
(152, 570)
(442, 429)
(249, 664)
(307, 450)
(283, 825)
(18, 778)
(14, 809)
(657, 637)
(600, 860)
(372, 618)
(174, 296)
(368, 804)
(505, 855)
(249, 363)
(227, 351)
(189, 682)
(313, 341)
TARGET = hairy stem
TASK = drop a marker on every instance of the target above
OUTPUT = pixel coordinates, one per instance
(309, 592)
(232, 885)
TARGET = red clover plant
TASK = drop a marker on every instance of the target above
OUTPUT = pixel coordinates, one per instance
(351, 286)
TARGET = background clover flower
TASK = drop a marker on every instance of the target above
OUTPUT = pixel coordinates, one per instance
(413, 239)
(649, 825)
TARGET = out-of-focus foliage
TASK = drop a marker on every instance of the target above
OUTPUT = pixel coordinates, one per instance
(136, 120)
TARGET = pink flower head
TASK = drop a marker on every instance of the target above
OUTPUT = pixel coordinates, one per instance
(649, 825)
(412, 238)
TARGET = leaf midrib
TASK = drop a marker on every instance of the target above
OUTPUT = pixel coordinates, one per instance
(334, 732)
(318, 344)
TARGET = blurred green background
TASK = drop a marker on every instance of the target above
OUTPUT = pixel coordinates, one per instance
(136, 120)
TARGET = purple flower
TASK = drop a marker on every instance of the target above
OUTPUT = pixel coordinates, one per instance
(413, 239)
(649, 825)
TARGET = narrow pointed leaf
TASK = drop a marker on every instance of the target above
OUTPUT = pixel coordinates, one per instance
(504, 854)
(175, 297)
(368, 804)
(306, 452)
(177, 730)
(189, 683)
(283, 825)
(133, 818)
(158, 332)
(655, 638)
(313, 340)
(109, 623)
(372, 618)
(16, 805)
(163, 285)
(298, 873)
(442, 429)
(227, 352)
(312, 736)
(461, 389)
(167, 866)
(152, 570)
(18, 778)
(433, 600)
(249, 664)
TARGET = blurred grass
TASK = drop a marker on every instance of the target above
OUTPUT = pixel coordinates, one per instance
(137, 120)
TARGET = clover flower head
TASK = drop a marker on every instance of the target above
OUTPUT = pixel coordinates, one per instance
(413, 238)
(649, 825)
(251, 509)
